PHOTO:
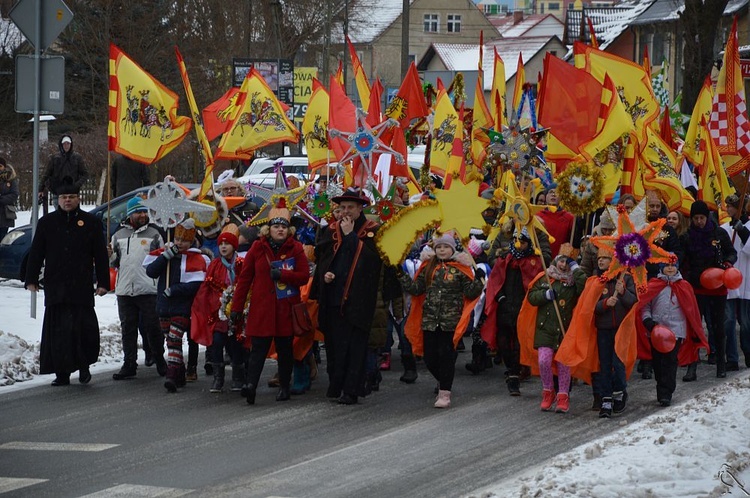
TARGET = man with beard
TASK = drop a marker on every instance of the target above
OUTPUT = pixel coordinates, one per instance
(345, 285)
(70, 244)
(136, 291)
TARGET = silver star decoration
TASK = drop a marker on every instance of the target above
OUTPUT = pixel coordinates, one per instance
(167, 206)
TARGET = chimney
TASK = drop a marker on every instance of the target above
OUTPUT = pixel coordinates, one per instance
(517, 16)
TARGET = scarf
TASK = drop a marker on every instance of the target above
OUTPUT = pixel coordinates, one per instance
(701, 240)
(555, 274)
(518, 253)
(275, 246)
(229, 265)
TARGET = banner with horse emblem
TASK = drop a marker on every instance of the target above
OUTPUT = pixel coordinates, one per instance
(143, 120)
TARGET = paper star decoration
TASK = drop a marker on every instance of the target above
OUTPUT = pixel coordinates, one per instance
(167, 205)
(461, 207)
(518, 206)
(632, 249)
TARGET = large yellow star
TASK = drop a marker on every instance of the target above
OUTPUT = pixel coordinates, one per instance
(461, 207)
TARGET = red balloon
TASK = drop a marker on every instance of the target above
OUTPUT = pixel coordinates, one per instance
(732, 278)
(712, 278)
(663, 339)
(112, 278)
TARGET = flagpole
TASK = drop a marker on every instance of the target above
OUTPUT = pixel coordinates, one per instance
(535, 241)
(109, 192)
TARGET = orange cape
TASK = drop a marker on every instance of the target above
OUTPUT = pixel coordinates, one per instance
(413, 328)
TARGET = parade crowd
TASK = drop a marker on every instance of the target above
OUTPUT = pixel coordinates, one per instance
(533, 302)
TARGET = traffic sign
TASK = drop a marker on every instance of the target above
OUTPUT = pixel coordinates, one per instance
(52, 81)
(55, 17)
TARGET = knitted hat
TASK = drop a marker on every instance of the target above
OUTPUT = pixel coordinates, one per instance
(447, 239)
(606, 222)
(733, 201)
(186, 230)
(279, 215)
(229, 234)
(699, 207)
(523, 235)
(135, 205)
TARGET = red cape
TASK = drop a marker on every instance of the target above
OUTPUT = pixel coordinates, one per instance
(413, 327)
(695, 339)
(205, 309)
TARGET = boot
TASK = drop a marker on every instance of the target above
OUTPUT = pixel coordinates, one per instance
(514, 385)
(443, 399)
(283, 395)
(313, 366)
(170, 383)
(61, 379)
(548, 398)
(385, 361)
(181, 376)
(238, 377)
(274, 381)
(410, 369)
(161, 366)
(721, 358)
(218, 385)
(597, 404)
(563, 403)
(301, 374)
(192, 374)
(478, 359)
(647, 371)
(692, 373)
(128, 371)
(619, 402)
(606, 409)
(84, 375)
(375, 379)
(249, 392)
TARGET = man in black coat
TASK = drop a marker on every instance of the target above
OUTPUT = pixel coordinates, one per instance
(65, 165)
(70, 244)
(346, 286)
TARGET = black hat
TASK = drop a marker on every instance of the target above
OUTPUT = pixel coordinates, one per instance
(352, 194)
(733, 201)
(67, 186)
(699, 207)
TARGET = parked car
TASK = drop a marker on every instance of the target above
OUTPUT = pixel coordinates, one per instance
(262, 170)
(15, 246)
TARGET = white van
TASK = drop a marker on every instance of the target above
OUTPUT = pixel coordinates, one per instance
(261, 170)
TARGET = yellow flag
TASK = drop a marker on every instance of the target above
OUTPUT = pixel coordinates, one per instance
(630, 79)
(632, 175)
(518, 88)
(693, 150)
(497, 95)
(713, 185)
(360, 78)
(612, 124)
(315, 126)
(260, 122)
(657, 161)
(481, 117)
(447, 127)
(143, 120)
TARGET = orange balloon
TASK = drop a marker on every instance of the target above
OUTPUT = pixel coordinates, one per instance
(712, 278)
(663, 339)
(112, 278)
(732, 278)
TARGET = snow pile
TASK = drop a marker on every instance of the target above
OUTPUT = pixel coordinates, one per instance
(19, 360)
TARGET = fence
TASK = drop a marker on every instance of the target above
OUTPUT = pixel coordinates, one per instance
(90, 195)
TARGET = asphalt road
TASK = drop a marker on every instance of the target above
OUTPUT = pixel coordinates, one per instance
(394, 443)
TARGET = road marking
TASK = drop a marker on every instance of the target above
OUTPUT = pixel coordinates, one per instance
(8, 484)
(137, 491)
(30, 445)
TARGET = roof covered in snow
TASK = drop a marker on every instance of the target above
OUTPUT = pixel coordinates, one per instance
(609, 22)
(506, 27)
(664, 11)
(372, 17)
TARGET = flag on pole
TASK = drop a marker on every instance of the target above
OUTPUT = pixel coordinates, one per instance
(342, 116)
(457, 160)
(657, 161)
(592, 32)
(143, 121)
(481, 115)
(518, 87)
(446, 129)
(646, 61)
(694, 149)
(218, 115)
(260, 121)
(632, 175)
(360, 78)
(713, 183)
(497, 95)
(315, 126)
(205, 147)
(729, 125)
(409, 102)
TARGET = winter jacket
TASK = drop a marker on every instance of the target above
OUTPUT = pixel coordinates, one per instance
(129, 248)
(186, 273)
(270, 315)
(548, 333)
(611, 318)
(670, 242)
(664, 309)
(743, 258)
(73, 251)
(61, 166)
(590, 254)
(712, 251)
(128, 175)
(444, 294)
(8, 195)
(205, 319)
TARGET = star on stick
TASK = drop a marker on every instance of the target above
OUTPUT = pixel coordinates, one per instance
(518, 206)
(461, 207)
(167, 205)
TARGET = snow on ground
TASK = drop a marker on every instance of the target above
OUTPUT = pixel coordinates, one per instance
(677, 452)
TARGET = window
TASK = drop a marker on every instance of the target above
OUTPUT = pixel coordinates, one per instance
(553, 6)
(454, 23)
(431, 23)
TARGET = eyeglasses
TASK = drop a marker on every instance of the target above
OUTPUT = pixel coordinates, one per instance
(230, 188)
(66, 197)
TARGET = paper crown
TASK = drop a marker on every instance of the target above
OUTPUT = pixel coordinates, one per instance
(279, 214)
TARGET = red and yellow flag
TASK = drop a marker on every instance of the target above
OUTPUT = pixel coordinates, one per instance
(631, 81)
(693, 150)
(657, 161)
(315, 126)
(205, 148)
(218, 115)
(457, 161)
(481, 115)
(360, 78)
(260, 121)
(713, 185)
(409, 102)
(497, 95)
(340, 75)
(632, 175)
(342, 116)
(447, 128)
(518, 87)
(143, 120)
(729, 124)
(592, 33)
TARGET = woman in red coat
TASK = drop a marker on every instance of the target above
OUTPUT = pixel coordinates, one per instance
(275, 268)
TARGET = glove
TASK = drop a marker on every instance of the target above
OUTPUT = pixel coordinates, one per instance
(479, 273)
(170, 250)
(649, 323)
(572, 263)
(275, 274)
(235, 316)
(168, 292)
(550, 294)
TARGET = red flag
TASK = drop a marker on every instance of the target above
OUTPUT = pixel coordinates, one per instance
(409, 102)
(665, 129)
(342, 116)
(398, 143)
(374, 111)
(218, 115)
(594, 42)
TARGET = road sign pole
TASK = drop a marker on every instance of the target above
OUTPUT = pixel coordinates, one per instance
(37, 98)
